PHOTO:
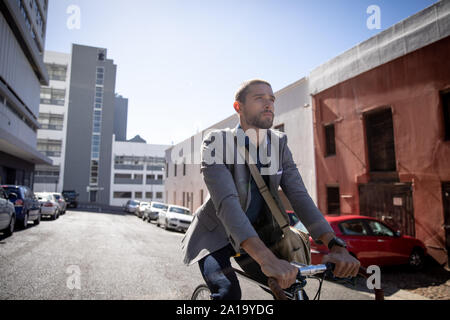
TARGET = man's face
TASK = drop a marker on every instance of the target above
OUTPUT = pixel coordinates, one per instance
(258, 109)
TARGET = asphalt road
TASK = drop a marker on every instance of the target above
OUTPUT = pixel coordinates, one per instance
(85, 255)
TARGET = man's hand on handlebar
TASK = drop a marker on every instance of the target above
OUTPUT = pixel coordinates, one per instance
(282, 271)
(346, 264)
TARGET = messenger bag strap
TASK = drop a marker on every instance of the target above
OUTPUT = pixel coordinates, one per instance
(264, 190)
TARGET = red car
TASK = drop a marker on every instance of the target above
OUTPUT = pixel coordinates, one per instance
(372, 242)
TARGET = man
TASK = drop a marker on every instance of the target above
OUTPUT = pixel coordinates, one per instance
(235, 220)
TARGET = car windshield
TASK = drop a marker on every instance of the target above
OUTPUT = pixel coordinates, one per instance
(69, 193)
(159, 206)
(379, 229)
(134, 203)
(179, 210)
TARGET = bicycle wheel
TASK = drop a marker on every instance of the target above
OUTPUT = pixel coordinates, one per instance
(202, 292)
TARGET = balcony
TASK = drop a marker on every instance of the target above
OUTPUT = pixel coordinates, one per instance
(128, 167)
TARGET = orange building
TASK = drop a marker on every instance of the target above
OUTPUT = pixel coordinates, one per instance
(382, 129)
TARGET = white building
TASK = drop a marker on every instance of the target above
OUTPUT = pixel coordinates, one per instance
(137, 172)
(51, 137)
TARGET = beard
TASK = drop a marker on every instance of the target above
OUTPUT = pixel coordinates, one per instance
(258, 121)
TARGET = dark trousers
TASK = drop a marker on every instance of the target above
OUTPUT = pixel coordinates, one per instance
(218, 273)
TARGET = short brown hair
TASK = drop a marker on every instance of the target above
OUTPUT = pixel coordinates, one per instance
(242, 92)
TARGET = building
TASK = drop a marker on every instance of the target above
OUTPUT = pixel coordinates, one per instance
(90, 124)
(381, 129)
(137, 172)
(22, 72)
(53, 122)
(120, 118)
(184, 183)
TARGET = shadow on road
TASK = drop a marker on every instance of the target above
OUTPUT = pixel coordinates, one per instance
(396, 278)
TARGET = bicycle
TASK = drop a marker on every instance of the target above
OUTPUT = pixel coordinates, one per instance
(296, 291)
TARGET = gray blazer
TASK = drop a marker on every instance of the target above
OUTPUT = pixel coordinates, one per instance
(221, 220)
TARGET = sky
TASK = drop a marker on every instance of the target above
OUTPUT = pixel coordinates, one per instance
(180, 62)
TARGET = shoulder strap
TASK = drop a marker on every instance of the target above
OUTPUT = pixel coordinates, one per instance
(264, 190)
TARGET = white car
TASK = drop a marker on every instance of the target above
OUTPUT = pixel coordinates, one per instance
(140, 209)
(176, 217)
(152, 212)
(49, 205)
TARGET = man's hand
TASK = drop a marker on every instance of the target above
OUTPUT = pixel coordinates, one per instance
(283, 271)
(271, 266)
(346, 264)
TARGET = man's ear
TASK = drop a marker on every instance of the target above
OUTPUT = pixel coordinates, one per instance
(237, 106)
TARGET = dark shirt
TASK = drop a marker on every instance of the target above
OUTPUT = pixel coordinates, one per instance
(258, 212)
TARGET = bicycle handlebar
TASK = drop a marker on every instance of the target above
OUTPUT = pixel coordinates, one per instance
(304, 270)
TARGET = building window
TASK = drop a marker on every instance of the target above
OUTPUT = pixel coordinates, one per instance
(380, 141)
(53, 96)
(149, 195)
(201, 196)
(280, 127)
(174, 169)
(330, 141)
(56, 71)
(138, 195)
(160, 176)
(333, 200)
(184, 169)
(167, 169)
(445, 98)
(159, 195)
(51, 148)
(122, 195)
(50, 121)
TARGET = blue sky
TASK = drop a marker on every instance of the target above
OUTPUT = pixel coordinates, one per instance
(180, 62)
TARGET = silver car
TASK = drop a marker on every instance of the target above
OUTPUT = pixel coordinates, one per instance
(61, 202)
(152, 212)
(7, 214)
(49, 205)
(131, 206)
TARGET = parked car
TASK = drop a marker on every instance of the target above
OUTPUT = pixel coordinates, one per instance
(131, 206)
(61, 202)
(141, 208)
(7, 214)
(176, 217)
(26, 205)
(71, 198)
(49, 205)
(373, 242)
(152, 212)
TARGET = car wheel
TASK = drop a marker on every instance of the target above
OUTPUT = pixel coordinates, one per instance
(38, 220)
(416, 260)
(10, 230)
(54, 217)
(165, 225)
(24, 224)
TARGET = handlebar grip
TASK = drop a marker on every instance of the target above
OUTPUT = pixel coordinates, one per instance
(276, 289)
